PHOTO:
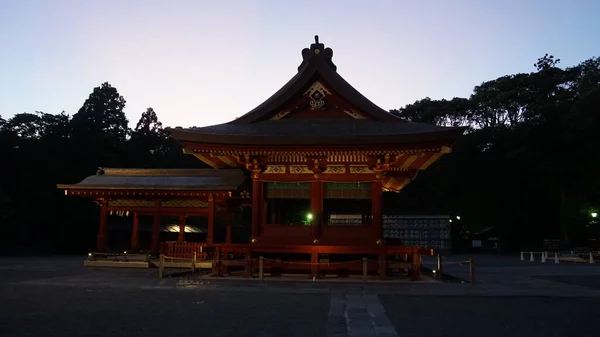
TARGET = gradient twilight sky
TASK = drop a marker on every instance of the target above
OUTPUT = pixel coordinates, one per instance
(202, 62)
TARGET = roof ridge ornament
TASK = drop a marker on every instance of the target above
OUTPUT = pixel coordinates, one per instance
(317, 53)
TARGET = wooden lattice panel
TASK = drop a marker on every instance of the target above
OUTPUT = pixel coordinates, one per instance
(359, 169)
(300, 169)
(130, 203)
(187, 203)
(347, 190)
(335, 169)
(275, 169)
(288, 190)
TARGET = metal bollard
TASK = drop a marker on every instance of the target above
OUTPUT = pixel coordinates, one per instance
(439, 267)
(364, 267)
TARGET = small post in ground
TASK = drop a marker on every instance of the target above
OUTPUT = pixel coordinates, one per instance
(439, 266)
(261, 271)
(472, 270)
(161, 265)
(364, 267)
(194, 263)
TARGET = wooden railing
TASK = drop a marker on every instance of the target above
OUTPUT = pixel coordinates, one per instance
(185, 249)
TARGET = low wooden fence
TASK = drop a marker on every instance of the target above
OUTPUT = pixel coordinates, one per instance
(438, 272)
(186, 250)
(580, 256)
(185, 264)
(123, 257)
(262, 266)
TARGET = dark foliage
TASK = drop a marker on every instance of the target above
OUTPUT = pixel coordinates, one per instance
(528, 163)
(43, 149)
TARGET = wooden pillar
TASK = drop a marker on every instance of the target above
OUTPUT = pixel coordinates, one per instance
(135, 241)
(316, 208)
(377, 208)
(181, 236)
(228, 234)
(256, 207)
(102, 228)
(263, 215)
(155, 247)
(211, 220)
(278, 211)
(314, 267)
(382, 264)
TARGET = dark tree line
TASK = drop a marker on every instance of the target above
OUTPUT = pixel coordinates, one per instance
(528, 164)
(41, 149)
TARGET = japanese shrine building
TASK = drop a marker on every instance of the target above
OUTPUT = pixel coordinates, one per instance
(311, 162)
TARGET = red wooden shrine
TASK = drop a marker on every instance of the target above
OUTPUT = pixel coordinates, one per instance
(312, 162)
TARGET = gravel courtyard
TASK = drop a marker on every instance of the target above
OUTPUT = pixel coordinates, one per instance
(57, 296)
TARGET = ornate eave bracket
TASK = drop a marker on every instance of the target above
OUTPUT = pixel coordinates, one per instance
(255, 164)
(381, 164)
(317, 164)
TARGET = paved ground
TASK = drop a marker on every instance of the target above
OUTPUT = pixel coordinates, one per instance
(56, 296)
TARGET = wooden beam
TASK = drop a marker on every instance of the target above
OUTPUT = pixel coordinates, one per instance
(172, 193)
(181, 234)
(377, 209)
(316, 208)
(324, 177)
(256, 207)
(156, 228)
(211, 220)
(102, 229)
(135, 242)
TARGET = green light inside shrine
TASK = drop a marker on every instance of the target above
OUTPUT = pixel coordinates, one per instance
(594, 214)
(309, 216)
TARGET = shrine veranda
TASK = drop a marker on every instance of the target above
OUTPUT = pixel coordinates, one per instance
(305, 172)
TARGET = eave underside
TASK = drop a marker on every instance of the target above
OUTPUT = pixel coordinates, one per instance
(318, 132)
(148, 182)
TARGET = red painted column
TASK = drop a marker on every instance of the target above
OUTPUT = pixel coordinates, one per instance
(377, 208)
(263, 215)
(211, 220)
(156, 229)
(102, 229)
(181, 236)
(135, 241)
(316, 208)
(256, 207)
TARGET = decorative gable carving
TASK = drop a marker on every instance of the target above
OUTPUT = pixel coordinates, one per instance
(317, 95)
(318, 101)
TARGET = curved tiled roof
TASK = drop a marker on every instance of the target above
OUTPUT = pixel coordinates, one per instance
(318, 132)
(375, 126)
(161, 179)
(317, 64)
